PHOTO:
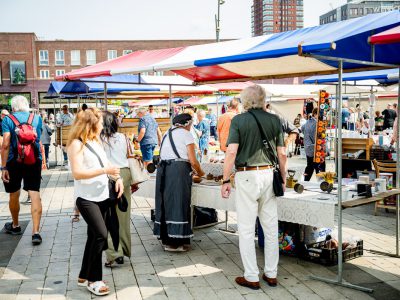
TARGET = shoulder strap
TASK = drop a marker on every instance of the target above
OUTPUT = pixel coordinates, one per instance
(30, 119)
(171, 140)
(265, 141)
(94, 152)
(14, 119)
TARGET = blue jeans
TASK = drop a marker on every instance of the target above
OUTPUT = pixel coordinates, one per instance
(147, 152)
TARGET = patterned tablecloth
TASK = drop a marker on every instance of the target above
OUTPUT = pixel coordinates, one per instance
(308, 208)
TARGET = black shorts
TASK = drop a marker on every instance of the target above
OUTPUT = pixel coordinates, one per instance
(31, 175)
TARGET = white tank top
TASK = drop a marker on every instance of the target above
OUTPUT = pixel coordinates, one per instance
(96, 188)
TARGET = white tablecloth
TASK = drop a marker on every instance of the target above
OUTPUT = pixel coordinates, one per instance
(307, 208)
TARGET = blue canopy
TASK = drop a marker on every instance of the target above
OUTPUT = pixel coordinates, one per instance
(389, 76)
(92, 85)
(55, 88)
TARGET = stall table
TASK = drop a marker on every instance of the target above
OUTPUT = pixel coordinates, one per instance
(309, 208)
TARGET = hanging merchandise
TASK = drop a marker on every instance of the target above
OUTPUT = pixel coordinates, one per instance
(322, 124)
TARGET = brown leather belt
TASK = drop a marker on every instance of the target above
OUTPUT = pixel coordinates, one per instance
(241, 169)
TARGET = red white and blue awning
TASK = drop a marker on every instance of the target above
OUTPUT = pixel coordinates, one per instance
(387, 37)
(269, 56)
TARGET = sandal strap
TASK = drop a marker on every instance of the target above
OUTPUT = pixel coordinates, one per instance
(97, 285)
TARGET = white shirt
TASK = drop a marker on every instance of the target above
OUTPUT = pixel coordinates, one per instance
(116, 150)
(181, 138)
(94, 189)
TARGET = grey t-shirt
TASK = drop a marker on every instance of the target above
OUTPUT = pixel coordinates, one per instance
(244, 131)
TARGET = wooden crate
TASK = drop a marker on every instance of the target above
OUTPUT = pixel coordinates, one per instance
(62, 133)
(351, 145)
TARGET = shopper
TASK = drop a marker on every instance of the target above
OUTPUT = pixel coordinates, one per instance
(16, 169)
(178, 159)
(213, 123)
(149, 135)
(224, 122)
(116, 147)
(254, 194)
(379, 119)
(91, 192)
(4, 113)
(204, 128)
(65, 118)
(389, 115)
(309, 142)
(46, 139)
(345, 116)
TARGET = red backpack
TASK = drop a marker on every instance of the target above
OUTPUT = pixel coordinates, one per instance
(26, 138)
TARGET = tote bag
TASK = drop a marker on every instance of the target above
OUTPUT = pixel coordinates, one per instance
(138, 171)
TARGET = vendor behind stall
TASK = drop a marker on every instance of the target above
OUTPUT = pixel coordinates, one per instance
(173, 185)
(308, 130)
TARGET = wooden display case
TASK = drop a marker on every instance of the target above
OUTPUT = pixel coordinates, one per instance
(351, 145)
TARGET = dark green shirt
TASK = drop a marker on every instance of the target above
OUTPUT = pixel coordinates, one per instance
(244, 131)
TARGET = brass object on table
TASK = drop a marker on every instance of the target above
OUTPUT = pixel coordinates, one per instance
(290, 181)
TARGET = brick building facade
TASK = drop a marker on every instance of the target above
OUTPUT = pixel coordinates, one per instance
(43, 60)
(270, 16)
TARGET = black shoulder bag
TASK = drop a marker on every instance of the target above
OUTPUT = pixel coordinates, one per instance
(272, 155)
(113, 195)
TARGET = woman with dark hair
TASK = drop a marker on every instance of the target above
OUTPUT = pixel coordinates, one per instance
(116, 146)
(173, 185)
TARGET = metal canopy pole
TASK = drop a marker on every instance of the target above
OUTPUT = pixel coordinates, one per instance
(338, 126)
(339, 278)
(170, 102)
(105, 96)
(55, 123)
(398, 171)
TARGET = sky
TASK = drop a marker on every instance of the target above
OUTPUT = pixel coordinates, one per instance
(137, 19)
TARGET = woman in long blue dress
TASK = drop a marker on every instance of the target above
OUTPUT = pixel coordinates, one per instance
(204, 127)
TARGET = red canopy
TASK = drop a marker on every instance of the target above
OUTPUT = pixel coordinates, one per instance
(137, 59)
(387, 37)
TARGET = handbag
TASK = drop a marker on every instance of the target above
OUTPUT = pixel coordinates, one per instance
(136, 166)
(277, 176)
(113, 195)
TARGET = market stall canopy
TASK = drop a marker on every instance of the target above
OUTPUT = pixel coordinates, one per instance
(269, 56)
(387, 37)
(291, 91)
(55, 88)
(115, 85)
(388, 76)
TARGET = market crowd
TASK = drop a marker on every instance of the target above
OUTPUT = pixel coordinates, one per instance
(100, 157)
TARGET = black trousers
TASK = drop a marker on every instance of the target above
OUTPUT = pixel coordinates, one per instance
(311, 166)
(94, 214)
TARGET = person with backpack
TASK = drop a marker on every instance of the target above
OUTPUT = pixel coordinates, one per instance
(21, 160)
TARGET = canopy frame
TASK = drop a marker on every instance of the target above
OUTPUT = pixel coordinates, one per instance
(339, 279)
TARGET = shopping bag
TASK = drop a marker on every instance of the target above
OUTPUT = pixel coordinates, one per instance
(139, 173)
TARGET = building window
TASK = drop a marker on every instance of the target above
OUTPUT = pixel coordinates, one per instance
(44, 74)
(111, 54)
(125, 52)
(90, 57)
(159, 73)
(43, 57)
(60, 72)
(60, 58)
(75, 57)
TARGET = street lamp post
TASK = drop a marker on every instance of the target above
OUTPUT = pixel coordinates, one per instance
(217, 19)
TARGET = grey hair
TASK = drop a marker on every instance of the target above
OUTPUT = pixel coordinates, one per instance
(141, 110)
(201, 113)
(5, 112)
(253, 97)
(19, 103)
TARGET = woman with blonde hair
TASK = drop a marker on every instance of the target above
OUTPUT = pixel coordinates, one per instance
(91, 170)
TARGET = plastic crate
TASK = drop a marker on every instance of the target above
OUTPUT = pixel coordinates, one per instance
(329, 257)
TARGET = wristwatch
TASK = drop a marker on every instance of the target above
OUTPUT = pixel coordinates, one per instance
(226, 181)
(3, 168)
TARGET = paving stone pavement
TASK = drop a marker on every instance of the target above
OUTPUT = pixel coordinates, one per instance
(50, 271)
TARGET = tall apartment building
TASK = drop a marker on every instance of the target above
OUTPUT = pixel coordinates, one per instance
(358, 8)
(27, 64)
(270, 16)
